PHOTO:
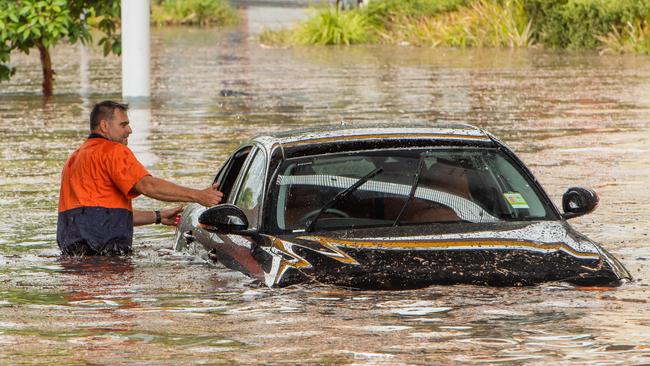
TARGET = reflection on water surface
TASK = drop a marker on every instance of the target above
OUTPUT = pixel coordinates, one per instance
(575, 118)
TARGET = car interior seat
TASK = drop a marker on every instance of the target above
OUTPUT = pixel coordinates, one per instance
(443, 177)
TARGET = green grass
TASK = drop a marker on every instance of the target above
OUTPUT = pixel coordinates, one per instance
(484, 23)
(578, 24)
(634, 38)
(328, 26)
(193, 12)
(332, 27)
(381, 12)
(613, 26)
(279, 37)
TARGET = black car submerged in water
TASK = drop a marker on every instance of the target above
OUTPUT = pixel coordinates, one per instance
(393, 207)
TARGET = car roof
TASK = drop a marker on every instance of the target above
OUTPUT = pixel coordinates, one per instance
(373, 131)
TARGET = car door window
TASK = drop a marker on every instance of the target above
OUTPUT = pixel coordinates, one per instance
(227, 176)
(250, 194)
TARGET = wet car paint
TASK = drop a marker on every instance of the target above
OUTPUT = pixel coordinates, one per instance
(487, 254)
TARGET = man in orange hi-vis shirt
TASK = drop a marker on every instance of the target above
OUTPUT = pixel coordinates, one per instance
(99, 181)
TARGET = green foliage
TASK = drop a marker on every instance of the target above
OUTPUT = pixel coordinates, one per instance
(27, 24)
(193, 12)
(487, 23)
(104, 16)
(611, 25)
(492, 23)
(5, 71)
(381, 11)
(576, 24)
(333, 27)
(273, 37)
(484, 23)
(634, 38)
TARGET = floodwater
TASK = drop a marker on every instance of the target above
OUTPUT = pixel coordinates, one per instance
(574, 118)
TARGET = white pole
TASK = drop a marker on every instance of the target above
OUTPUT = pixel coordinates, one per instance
(135, 48)
(84, 79)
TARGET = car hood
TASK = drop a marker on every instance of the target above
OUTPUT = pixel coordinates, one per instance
(544, 236)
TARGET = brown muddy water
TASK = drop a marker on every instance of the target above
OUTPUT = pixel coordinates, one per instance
(575, 119)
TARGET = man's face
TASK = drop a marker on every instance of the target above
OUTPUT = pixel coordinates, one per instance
(118, 129)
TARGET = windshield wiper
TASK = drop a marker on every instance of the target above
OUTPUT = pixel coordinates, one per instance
(341, 195)
(413, 188)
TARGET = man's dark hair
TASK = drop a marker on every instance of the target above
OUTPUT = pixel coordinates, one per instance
(105, 110)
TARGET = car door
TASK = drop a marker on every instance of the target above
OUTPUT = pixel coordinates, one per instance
(247, 193)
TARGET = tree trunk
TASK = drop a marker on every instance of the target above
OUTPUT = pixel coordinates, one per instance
(48, 73)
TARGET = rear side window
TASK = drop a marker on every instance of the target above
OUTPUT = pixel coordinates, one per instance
(228, 174)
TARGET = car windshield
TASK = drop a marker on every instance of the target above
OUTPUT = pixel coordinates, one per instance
(442, 185)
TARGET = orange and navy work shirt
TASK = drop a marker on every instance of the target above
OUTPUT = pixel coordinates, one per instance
(97, 186)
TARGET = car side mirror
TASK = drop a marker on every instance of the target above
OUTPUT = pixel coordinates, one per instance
(224, 219)
(578, 201)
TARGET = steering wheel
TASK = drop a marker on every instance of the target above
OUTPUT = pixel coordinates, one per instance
(312, 214)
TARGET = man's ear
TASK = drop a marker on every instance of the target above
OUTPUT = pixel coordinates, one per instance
(103, 125)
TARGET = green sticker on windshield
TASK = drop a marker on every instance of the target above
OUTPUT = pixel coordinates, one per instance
(516, 200)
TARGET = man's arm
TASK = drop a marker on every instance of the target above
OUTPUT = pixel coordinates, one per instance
(163, 190)
(143, 217)
(167, 216)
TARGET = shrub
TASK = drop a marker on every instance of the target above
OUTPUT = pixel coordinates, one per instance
(611, 25)
(271, 37)
(484, 23)
(380, 11)
(576, 24)
(635, 38)
(193, 12)
(333, 27)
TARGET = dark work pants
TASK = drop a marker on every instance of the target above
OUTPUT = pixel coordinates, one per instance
(87, 231)
(83, 249)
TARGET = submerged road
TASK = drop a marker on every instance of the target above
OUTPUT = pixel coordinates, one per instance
(574, 118)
